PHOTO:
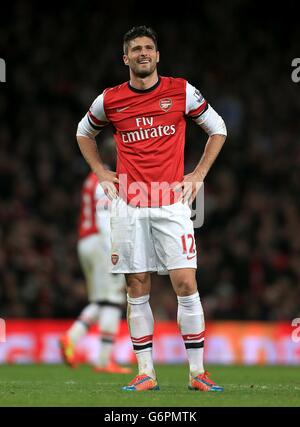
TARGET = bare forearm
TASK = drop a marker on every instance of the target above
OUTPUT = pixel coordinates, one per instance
(89, 150)
(211, 151)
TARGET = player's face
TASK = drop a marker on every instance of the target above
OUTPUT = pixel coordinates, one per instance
(142, 56)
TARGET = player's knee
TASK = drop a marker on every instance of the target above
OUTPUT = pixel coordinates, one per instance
(185, 287)
(138, 284)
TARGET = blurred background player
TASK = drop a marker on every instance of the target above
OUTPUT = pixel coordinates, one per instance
(105, 290)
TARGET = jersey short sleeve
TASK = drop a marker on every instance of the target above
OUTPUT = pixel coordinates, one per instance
(195, 103)
(94, 120)
(202, 113)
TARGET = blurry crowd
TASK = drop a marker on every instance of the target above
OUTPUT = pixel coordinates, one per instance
(58, 61)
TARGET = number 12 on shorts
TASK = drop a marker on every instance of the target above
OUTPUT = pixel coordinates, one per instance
(188, 244)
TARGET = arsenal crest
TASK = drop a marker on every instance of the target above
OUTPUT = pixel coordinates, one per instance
(165, 104)
(114, 258)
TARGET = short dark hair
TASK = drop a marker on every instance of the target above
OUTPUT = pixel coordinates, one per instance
(140, 31)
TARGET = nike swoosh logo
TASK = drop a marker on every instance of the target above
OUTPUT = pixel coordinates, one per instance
(121, 109)
(190, 257)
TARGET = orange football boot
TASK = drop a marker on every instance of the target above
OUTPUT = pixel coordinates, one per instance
(113, 368)
(203, 383)
(67, 349)
(142, 383)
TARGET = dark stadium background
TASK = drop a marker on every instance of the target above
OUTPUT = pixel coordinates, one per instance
(239, 55)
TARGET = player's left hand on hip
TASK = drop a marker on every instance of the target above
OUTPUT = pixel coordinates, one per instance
(189, 187)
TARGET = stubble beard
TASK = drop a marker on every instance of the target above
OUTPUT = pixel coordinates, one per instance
(145, 73)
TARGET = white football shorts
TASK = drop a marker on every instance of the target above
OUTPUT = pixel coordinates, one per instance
(94, 257)
(151, 239)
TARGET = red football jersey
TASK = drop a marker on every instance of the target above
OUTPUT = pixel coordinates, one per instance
(149, 130)
(87, 218)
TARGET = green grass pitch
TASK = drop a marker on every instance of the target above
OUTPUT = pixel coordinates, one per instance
(57, 385)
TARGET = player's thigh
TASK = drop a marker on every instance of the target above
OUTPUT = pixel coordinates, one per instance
(84, 256)
(95, 264)
(110, 287)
